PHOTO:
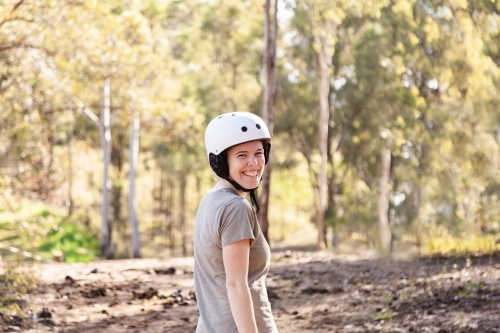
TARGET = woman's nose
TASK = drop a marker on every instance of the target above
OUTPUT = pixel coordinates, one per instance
(252, 160)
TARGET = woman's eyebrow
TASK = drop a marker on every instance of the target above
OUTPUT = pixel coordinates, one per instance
(240, 152)
(246, 151)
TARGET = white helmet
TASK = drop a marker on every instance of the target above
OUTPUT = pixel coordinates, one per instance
(233, 128)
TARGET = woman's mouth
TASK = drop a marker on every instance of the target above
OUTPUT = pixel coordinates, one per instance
(251, 173)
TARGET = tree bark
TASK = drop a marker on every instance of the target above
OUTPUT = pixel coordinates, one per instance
(331, 209)
(170, 211)
(182, 212)
(415, 201)
(69, 203)
(323, 51)
(456, 194)
(383, 202)
(134, 154)
(105, 130)
(264, 202)
(324, 114)
(269, 100)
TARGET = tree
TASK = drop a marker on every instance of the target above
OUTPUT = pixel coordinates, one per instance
(323, 21)
(133, 156)
(269, 98)
(383, 201)
(105, 130)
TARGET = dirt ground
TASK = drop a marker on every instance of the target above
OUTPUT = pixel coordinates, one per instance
(309, 292)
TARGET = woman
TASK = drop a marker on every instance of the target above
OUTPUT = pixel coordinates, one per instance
(231, 255)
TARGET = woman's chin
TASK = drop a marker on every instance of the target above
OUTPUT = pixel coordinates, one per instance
(250, 184)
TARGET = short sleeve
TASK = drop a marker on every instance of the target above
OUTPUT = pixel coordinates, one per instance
(237, 222)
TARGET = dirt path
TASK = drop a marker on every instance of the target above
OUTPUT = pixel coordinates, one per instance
(309, 292)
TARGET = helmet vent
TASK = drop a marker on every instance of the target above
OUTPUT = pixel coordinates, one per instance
(244, 128)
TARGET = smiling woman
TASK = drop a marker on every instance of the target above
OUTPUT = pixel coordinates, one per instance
(231, 255)
(246, 163)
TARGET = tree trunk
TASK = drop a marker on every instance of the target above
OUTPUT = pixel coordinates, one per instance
(460, 207)
(331, 208)
(264, 202)
(335, 239)
(182, 212)
(69, 202)
(105, 130)
(415, 201)
(134, 154)
(269, 98)
(162, 209)
(171, 212)
(323, 49)
(383, 202)
(45, 186)
(324, 114)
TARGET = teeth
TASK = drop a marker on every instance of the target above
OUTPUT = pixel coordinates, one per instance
(251, 173)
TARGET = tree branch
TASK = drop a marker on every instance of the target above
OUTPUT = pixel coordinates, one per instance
(16, 6)
(50, 73)
(15, 19)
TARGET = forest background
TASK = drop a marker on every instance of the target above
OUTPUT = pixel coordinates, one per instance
(122, 91)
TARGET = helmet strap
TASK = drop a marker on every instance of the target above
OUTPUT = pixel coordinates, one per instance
(219, 165)
(253, 196)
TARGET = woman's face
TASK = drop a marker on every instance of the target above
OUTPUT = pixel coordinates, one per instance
(246, 163)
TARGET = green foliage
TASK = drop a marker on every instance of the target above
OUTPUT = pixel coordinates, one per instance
(40, 230)
(75, 242)
(438, 240)
(419, 78)
(25, 226)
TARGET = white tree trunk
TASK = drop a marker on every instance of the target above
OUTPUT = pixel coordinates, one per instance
(383, 202)
(69, 202)
(105, 130)
(133, 156)
(324, 115)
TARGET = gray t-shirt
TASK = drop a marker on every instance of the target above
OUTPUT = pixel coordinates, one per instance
(223, 218)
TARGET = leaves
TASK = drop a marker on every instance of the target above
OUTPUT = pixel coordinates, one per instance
(417, 77)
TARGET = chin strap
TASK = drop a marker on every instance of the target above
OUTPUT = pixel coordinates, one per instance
(253, 196)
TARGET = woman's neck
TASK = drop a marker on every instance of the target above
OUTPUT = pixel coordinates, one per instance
(222, 183)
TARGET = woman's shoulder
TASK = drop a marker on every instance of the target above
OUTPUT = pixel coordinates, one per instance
(222, 200)
(227, 200)
(237, 202)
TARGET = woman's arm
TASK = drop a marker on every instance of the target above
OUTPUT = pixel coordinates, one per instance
(235, 257)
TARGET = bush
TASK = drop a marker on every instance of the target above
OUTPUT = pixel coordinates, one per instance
(76, 243)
